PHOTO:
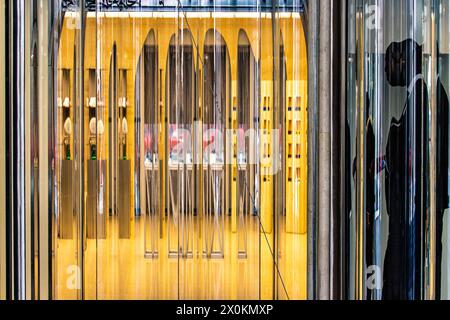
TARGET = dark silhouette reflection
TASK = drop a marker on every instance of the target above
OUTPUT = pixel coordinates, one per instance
(373, 167)
(407, 175)
(442, 170)
(346, 238)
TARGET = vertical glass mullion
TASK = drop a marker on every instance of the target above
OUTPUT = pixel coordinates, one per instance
(349, 232)
(360, 156)
(78, 145)
(2, 153)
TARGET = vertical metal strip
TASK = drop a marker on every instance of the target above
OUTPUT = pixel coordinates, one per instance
(16, 152)
(275, 110)
(26, 160)
(313, 97)
(19, 104)
(343, 100)
(336, 104)
(324, 152)
(2, 153)
(45, 234)
(430, 251)
(360, 161)
(8, 174)
(81, 158)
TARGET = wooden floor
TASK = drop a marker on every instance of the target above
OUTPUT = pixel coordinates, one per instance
(117, 269)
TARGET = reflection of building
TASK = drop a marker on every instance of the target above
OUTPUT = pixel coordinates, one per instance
(201, 149)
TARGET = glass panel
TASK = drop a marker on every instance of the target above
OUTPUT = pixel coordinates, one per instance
(180, 94)
(244, 222)
(149, 109)
(227, 245)
(442, 171)
(32, 161)
(387, 150)
(119, 238)
(66, 121)
(291, 180)
(148, 92)
(180, 158)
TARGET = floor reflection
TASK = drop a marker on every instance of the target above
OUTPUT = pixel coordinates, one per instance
(116, 268)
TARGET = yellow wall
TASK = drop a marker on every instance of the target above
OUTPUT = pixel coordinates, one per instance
(296, 126)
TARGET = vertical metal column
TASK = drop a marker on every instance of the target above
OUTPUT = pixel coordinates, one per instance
(313, 97)
(48, 18)
(2, 153)
(80, 148)
(323, 160)
(337, 90)
(339, 291)
(324, 151)
(15, 144)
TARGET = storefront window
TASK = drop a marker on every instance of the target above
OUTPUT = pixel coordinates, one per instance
(183, 152)
(165, 150)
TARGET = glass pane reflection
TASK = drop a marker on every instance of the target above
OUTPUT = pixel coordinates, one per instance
(388, 151)
(442, 284)
(181, 153)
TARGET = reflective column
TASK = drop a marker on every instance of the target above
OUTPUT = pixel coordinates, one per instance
(15, 154)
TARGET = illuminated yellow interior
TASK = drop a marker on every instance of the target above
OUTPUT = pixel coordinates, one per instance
(116, 268)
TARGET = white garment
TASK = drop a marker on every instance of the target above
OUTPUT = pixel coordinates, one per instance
(93, 126)
(124, 126)
(96, 126)
(100, 127)
(68, 126)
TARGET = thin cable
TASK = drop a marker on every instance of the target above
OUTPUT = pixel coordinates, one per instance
(267, 240)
